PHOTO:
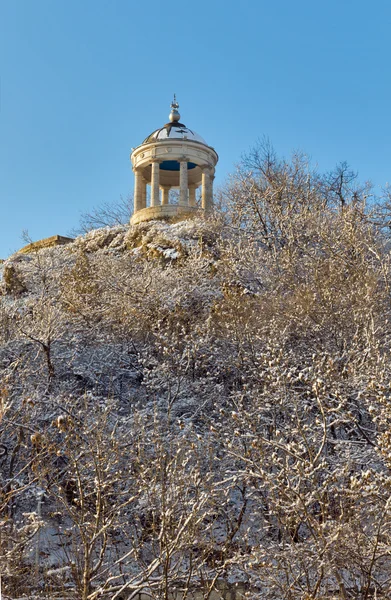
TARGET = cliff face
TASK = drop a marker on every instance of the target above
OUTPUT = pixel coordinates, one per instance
(186, 407)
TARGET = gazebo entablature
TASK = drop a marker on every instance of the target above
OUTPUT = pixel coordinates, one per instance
(175, 162)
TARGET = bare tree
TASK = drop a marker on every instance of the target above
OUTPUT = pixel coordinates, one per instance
(107, 214)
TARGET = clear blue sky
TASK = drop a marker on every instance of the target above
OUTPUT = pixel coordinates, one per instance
(82, 81)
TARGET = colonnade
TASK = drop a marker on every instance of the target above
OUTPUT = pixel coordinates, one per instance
(187, 192)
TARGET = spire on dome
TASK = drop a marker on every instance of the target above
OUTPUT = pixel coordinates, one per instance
(174, 114)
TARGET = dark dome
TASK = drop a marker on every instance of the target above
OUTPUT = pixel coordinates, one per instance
(174, 131)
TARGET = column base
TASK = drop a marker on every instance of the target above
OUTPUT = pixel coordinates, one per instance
(170, 212)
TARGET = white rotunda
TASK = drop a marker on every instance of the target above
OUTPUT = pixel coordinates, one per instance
(172, 157)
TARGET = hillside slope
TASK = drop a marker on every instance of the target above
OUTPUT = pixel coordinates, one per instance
(188, 406)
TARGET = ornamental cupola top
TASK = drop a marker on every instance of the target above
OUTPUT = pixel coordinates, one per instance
(174, 130)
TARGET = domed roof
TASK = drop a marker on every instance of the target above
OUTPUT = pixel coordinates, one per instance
(174, 130)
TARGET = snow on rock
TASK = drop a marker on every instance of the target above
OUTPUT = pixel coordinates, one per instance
(106, 237)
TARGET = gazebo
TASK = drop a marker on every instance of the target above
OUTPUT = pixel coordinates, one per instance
(172, 157)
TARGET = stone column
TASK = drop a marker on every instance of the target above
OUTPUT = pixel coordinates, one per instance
(155, 184)
(165, 194)
(183, 183)
(212, 178)
(138, 190)
(207, 189)
(192, 195)
(144, 193)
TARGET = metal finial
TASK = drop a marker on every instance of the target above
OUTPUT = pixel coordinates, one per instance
(174, 114)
